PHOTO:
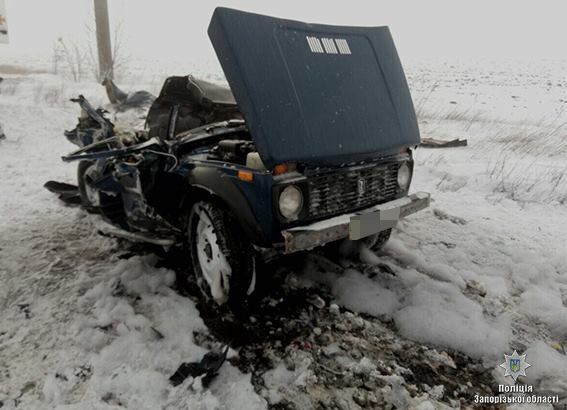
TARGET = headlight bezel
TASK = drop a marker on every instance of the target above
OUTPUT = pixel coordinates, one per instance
(291, 189)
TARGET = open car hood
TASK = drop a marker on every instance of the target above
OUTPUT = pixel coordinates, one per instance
(315, 93)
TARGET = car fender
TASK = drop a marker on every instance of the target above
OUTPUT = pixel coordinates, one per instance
(249, 203)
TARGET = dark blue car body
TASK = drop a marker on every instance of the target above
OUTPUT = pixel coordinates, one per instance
(328, 105)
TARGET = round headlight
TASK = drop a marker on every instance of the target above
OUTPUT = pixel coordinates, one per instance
(404, 176)
(290, 202)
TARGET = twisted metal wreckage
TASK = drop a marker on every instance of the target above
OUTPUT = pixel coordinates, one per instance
(311, 145)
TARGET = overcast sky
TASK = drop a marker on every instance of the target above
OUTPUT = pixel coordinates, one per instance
(421, 29)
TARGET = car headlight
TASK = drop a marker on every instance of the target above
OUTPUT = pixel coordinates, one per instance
(290, 202)
(404, 176)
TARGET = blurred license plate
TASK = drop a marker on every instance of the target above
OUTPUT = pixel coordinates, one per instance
(370, 223)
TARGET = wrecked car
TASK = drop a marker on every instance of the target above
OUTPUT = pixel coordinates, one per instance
(311, 144)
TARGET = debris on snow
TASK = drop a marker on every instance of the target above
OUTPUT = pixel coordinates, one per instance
(442, 215)
(205, 370)
(316, 301)
(123, 100)
(68, 193)
(436, 143)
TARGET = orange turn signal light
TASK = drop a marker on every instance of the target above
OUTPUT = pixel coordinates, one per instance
(245, 176)
(280, 169)
(283, 168)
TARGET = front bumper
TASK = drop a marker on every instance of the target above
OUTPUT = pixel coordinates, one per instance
(356, 225)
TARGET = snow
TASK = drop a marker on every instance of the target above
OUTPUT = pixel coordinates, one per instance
(548, 370)
(424, 309)
(439, 313)
(545, 305)
(279, 380)
(129, 361)
(483, 271)
(82, 327)
(479, 237)
(361, 294)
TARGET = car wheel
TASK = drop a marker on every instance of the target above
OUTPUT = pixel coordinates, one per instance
(90, 197)
(350, 249)
(377, 241)
(223, 261)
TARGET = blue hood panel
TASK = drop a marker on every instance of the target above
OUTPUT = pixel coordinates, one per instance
(315, 93)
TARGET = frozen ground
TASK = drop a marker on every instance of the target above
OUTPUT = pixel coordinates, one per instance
(85, 323)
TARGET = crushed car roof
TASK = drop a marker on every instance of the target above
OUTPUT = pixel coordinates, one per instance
(315, 93)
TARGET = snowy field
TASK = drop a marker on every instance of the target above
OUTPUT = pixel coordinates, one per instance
(84, 323)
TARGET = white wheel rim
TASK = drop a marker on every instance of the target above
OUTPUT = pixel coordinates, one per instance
(212, 261)
(92, 194)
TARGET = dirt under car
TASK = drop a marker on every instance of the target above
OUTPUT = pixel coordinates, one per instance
(312, 144)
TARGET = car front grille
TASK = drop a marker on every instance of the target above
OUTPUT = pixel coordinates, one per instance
(337, 193)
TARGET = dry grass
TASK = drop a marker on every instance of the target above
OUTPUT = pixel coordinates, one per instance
(526, 161)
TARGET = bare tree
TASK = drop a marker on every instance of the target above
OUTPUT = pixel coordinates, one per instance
(72, 55)
(79, 60)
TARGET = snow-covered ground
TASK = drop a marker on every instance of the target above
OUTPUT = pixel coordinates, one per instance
(85, 324)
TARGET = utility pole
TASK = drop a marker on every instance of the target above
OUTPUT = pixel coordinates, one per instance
(103, 40)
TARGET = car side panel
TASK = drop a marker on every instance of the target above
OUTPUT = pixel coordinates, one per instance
(249, 202)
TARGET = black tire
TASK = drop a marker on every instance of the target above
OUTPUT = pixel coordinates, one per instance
(110, 207)
(377, 241)
(232, 245)
(346, 248)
